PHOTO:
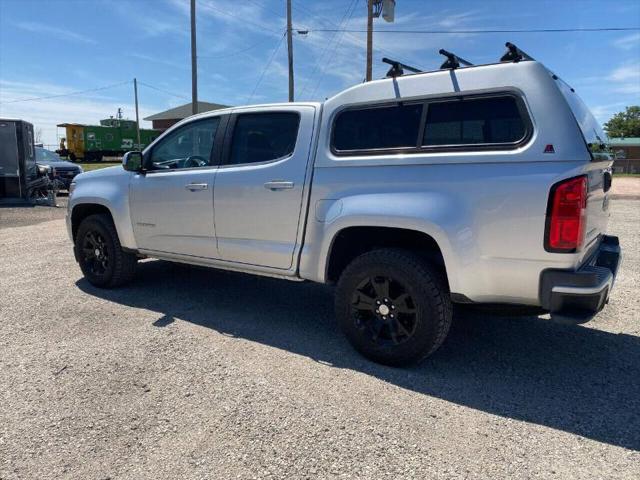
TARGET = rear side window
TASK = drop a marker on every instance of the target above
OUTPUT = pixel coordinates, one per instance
(495, 120)
(595, 138)
(262, 137)
(377, 128)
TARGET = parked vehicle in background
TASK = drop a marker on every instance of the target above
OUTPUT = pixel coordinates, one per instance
(58, 169)
(477, 185)
(17, 159)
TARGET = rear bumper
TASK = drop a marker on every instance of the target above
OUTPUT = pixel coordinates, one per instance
(584, 292)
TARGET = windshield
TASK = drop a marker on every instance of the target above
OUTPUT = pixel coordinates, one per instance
(43, 155)
(596, 139)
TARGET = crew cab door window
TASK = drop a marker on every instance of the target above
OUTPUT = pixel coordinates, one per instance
(262, 137)
(187, 147)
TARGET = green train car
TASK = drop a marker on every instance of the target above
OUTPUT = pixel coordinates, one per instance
(112, 138)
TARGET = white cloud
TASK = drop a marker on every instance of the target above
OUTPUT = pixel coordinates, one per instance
(46, 114)
(626, 72)
(243, 15)
(628, 42)
(459, 20)
(626, 79)
(160, 61)
(154, 23)
(59, 33)
(604, 112)
(628, 88)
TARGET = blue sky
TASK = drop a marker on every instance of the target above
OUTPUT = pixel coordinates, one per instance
(59, 46)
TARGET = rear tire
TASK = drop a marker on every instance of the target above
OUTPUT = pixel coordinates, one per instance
(393, 306)
(100, 255)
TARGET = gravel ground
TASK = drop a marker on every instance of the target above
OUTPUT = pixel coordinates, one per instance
(192, 373)
(625, 188)
(23, 215)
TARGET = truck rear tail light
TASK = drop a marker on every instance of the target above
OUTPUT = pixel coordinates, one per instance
(566, 216)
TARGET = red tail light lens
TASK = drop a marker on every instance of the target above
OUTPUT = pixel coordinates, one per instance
(566, 215)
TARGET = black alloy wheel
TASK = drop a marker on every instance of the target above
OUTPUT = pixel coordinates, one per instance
(98, 251)
(382, 307)
(95, 253)
(393, 306)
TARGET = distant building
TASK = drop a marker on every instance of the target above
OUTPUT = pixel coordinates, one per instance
(163, 120)
(627, 151)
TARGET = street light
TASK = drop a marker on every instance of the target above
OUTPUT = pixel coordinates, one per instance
(388, 10)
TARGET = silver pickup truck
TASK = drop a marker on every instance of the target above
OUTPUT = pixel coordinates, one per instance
(477, 185)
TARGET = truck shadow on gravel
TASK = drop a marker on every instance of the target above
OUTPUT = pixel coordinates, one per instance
(572, 378)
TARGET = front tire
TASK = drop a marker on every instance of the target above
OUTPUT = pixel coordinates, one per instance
(100, 255)
(393, 307)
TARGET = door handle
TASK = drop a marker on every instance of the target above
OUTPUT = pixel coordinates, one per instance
(278, 185)
(196, 186)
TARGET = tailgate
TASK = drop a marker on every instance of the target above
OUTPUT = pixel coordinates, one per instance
(599, 175)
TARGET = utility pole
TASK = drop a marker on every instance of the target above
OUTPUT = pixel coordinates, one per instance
(374, 9)
(135, 93)
(369, 40)
(290, 50)
(194, 61)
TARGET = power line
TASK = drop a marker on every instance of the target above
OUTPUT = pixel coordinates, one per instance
(243, 19)
(261, 5)
(79, 92)
(335, 47)
(226, 55)
(163, 91)
(342, 24)
(453, 32)
(269, 9)
(355, 38)
(266, 67)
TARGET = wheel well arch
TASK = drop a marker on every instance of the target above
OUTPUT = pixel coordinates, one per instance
(351, 242)
(82, 211)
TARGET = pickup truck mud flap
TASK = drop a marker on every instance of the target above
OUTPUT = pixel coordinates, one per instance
(578, 295)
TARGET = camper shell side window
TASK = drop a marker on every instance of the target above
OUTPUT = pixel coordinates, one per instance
(497, 121)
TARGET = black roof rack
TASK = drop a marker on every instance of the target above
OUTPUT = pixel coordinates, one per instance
(397, 69)
(452, 61)
(514, 54)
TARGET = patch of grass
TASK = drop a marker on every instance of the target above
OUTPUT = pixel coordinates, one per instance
(626, 174)
(98, 165)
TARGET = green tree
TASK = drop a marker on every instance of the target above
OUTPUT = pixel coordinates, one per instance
(624, 124)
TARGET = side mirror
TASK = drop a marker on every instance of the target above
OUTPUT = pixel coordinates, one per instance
(132, 161)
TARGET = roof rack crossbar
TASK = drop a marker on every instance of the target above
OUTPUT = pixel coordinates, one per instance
(453, 61)
(514, 54)
(397, 69)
